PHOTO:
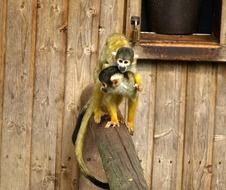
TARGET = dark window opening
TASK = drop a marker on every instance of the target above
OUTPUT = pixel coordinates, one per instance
(208, 17)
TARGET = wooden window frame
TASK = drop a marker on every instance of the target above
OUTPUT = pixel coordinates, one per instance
(177, 47)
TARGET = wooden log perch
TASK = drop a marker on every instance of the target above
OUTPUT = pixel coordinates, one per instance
(120, 161)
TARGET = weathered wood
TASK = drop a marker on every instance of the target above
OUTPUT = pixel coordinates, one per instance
(185, 48)
(111, 19)
(178, 40)
(181, 52)
(133, 8)
(2, 65)
(169, 126)
(145, 117)
(68, 171)
(223, 24)
(119, 158)
(199, 126)
(182, 80)
(60, 168)
(18, 94)
(49, 94)
(219, 151)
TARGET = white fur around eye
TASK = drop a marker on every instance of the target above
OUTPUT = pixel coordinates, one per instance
(126, 62)
(119, 61)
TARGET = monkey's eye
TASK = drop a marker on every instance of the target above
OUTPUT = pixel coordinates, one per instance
(104, 85)
(115, 82)
(120, 61)
(126, 62)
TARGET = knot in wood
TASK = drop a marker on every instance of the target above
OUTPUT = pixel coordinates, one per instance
(91, 12)
(88, 50)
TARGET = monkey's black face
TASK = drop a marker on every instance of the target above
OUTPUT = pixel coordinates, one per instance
(122, 69)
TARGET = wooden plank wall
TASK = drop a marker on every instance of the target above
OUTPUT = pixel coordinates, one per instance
(48, 51)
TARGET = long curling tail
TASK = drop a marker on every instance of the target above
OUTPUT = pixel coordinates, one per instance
(78, 124)
(79, 149)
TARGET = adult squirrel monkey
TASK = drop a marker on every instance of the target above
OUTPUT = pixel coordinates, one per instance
(122, 79)
(99, 99)
(125, 59)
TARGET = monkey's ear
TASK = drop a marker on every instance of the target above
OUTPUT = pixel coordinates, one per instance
(136, 56)
(114, 53)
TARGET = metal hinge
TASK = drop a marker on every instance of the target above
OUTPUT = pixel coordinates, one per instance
(135, 22)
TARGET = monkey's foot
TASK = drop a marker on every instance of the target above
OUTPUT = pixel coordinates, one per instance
(97, 116)
(112, 124)
(130, 127)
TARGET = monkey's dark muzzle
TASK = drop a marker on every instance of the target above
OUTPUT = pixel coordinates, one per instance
(122, 69)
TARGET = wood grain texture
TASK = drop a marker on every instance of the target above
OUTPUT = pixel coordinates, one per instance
(169, 126)
(219, 151)
(59, 141)
(3, 9)
(119, 157)
(181, 52)
(145, 117)
(199, 126)
(223, 24)
(133, 8)
(48, 94)
(18, 95)
(46, 60)
(111, 19)
(68, 170)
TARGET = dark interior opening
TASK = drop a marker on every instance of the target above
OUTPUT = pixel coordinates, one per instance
(208, 17)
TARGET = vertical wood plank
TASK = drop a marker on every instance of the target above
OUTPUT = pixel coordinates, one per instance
(18, 95)
(181, 125)
(49, 93)
(3, 9)
(133, 8)
(59, 167)
(223, 23)
(112, 18)
(199, 126)
(219, 153)
(83, 25)
(145, 117)
(169, 125)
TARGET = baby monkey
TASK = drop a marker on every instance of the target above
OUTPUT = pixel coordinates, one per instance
(122, 79)
(115, 82)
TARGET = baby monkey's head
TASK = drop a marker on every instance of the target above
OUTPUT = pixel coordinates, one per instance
(110, 77)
